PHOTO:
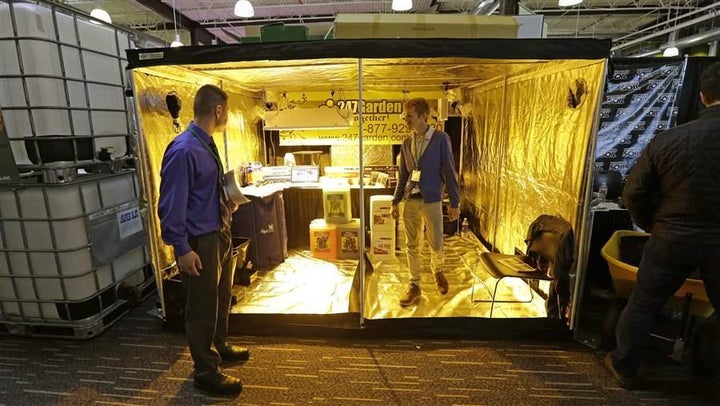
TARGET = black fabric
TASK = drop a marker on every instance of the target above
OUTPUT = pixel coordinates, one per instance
(674, 188)
(688, 101)
(556, 48)
(551, 248)
(258, 221)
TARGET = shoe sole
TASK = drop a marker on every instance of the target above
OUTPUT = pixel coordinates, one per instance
(216, 391)
(234, 360)
(414, 301)
(623, 382)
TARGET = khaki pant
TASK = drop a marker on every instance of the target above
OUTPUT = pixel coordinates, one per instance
(208, 301)
(418, 215)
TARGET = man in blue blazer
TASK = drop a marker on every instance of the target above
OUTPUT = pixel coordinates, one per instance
(426, 167)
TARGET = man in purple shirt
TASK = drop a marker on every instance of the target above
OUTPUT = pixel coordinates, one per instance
(191, 220)
(426, 167)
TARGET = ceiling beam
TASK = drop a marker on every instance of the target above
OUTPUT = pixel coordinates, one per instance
(266, 21)
(608, 11)
(198, 33)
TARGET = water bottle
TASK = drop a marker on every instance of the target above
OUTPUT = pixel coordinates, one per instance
(602, 192)
(464, 228)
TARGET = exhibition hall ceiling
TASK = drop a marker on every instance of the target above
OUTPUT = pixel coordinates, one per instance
(634, 25)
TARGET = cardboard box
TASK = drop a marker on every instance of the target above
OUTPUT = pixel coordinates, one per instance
(382, 245)
(349, 26)
(381, 213)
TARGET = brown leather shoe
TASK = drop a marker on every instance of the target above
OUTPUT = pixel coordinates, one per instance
(220, 384)
(441, 282)
(234, 353)
(623, 380)
(412, 296)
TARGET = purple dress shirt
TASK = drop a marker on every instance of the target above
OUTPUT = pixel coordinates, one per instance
(189, 203)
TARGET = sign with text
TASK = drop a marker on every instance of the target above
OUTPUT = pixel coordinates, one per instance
(129, 222)
(383, 124)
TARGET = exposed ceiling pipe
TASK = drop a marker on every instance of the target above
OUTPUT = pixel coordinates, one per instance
(676, 27)
(486, 7)
(685, 42)
(674, 20)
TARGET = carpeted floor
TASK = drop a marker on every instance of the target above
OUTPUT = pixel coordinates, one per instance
(135, 362)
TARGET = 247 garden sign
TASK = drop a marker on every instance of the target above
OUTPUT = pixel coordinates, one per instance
(383, 124)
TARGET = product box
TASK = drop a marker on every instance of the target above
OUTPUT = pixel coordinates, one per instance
(349, 240)
(349, 26)
(382, 245)
(323, 239)
(381, 213)
(336, 205)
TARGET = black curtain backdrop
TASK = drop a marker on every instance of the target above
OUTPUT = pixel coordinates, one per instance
(689, 98)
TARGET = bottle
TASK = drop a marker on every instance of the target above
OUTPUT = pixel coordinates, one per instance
(602, 192)
(464, 228)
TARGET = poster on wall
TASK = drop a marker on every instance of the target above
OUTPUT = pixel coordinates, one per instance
(383, 124)
(640, 101)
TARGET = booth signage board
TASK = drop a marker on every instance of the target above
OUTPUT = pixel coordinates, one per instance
(383, 124)
(424, 26)
(8, 170)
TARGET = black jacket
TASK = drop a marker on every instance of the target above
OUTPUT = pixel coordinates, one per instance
(673, 190)
(551, 245)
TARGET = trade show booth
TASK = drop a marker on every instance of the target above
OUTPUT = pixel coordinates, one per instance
(522, 115)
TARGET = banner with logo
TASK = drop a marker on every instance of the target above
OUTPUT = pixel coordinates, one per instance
(640, 101)
(383, 124)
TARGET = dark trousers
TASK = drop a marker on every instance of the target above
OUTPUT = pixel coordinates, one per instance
(663, 269)
(208, 301)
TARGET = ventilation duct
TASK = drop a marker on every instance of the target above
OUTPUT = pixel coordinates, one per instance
(321, 118)
(486, 7)
(686, 42)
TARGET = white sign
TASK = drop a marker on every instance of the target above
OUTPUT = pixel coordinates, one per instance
(129, 222)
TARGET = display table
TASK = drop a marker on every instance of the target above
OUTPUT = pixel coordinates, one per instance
(304, 203)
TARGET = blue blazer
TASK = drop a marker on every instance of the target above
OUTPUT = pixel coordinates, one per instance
(437, 170)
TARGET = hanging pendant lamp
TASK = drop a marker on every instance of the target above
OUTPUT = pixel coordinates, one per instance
(244, 9)
(402, 5)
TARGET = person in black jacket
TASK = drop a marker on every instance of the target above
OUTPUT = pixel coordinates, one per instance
(673, 192)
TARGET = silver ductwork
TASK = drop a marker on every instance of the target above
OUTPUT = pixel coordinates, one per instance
(486, 7)
(692, 40)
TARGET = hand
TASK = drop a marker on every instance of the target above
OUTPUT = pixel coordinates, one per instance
(189, 264)
(395, 214)
(454, 213)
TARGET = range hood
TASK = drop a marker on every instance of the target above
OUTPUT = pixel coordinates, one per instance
(320, 118)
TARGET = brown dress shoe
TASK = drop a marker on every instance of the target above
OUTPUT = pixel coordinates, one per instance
(220, 384)
(412, 296)
(233, 353)
(623, 380)
(441, 282)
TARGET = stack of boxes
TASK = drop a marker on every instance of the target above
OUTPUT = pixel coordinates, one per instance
(337, 235)
(382, 228)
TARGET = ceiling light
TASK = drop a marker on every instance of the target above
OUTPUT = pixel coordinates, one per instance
(101, 15)
(244, 9)
(177, 42)
(671, 51)
(401, 5)
(568, 3)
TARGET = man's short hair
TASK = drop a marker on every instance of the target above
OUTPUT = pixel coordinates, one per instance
(419, 104)
(206, 98)
(710, 82)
